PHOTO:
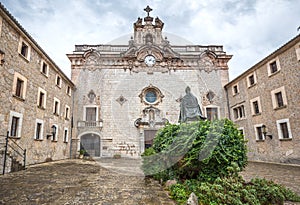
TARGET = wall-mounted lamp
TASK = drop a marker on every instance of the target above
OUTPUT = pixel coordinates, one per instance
(53, 132)
(264, 131)
(101, 124)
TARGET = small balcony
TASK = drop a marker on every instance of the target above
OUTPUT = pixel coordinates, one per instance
(90, 124)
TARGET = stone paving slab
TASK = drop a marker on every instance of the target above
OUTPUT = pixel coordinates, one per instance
(79, 182)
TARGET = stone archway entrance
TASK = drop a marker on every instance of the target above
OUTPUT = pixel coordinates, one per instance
(91, 144)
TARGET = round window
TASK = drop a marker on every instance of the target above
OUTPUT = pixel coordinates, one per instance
(151, 96)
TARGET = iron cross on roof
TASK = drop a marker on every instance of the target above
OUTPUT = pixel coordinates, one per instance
(148, 10)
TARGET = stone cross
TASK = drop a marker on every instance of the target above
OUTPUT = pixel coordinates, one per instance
(148, 10)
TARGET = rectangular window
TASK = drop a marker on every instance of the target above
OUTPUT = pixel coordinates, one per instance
(41, 99)
(235, 90)
(44, 68)
(279, 99)
(24, 50)
(19, 88)
(241, 130)
(67, 113)
(284, 129)
(41, 103)
(251, 80)
(273, 67)
(239, 112)
(54, 137)
(58, 81)
(69, 90)
(91, 114)
(259, 132)
(39, 128)
(38, 132)
(56, 108)
(14, 126)
(212, 113)
(66, 135)
(255, 107)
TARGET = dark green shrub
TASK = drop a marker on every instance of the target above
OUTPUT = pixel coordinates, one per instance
(200, 150)
(233, 190)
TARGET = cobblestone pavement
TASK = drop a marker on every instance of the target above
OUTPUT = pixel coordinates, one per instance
(109, 182)
(79, 182)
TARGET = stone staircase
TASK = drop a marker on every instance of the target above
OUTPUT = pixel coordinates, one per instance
(13, 160)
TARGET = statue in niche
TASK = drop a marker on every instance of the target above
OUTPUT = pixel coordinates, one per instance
(189, 108)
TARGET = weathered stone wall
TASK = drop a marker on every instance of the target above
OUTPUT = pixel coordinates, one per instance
(37, 150)
(275, 149)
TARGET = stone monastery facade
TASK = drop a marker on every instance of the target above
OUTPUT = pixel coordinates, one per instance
(125, 93)
(120, 94)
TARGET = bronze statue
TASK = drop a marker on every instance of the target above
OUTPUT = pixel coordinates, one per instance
(189, 108)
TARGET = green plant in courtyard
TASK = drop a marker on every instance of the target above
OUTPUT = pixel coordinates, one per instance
(82, 151)
(233, 190)
(200, 150)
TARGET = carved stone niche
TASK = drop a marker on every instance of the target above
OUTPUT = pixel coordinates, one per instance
(151, 117)
(151, 95)
(91, 96)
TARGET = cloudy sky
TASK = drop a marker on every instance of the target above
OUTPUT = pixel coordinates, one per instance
(248, 29)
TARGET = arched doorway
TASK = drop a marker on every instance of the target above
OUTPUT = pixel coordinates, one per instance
(91, 144)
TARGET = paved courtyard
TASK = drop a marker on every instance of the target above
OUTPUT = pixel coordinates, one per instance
(107, 182)
(80, 182)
